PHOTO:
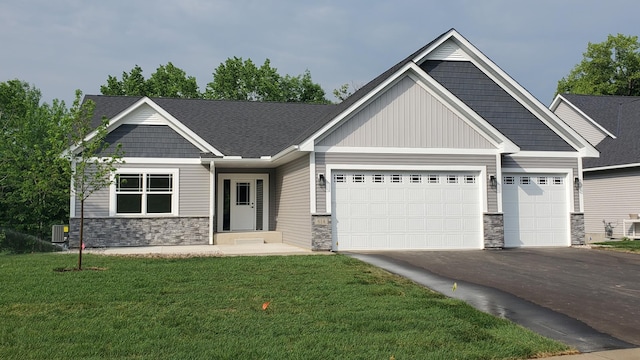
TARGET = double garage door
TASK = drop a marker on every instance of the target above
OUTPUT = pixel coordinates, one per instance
(375, 210)
(394, 210)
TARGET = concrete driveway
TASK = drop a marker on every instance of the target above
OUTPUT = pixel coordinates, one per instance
(599, 288)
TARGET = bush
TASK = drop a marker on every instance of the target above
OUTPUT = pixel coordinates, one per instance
(19, 243)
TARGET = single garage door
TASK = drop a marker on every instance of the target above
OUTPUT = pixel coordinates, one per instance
(536, 210)
(382, 210)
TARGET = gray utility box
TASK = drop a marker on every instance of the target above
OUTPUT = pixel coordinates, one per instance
(59, 234)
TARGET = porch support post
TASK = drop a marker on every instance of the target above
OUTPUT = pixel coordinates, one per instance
(212, 199)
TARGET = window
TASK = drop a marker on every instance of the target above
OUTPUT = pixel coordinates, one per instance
(396, 178)
(378, 178)
(416, 179)
(525, 180)
(542, 180)
(557, 180)
(339, 178)
(358, 178)
(452, 179)
(144, 193)
(469, 179)
(508, 180)
(243, 196)
(433, 179)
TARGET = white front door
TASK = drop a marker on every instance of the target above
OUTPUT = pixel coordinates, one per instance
(243, 203)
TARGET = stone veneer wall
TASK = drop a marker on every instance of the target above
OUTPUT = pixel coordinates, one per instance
(321, 232)
(118, 231)
(577, 229)
(493, 230)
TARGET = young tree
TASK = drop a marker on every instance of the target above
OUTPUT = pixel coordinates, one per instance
(93, 160)
(611, 67)
(34, 189)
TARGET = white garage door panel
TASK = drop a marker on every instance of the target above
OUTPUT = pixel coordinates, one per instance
(536, 210)
(406, 210)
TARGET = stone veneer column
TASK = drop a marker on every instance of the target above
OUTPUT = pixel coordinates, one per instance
(493, 230)
(115, 231)
(577, 229)
(321, 232)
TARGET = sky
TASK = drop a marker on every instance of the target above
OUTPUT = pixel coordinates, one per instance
(63, 45)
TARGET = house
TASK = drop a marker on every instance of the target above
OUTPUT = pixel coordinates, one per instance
(611, 191)
(442, 151)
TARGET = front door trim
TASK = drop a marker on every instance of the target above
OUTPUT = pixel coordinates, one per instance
(239, 177)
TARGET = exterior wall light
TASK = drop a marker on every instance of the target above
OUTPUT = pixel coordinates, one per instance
(576, 183)
(321, 179)
(493, 181)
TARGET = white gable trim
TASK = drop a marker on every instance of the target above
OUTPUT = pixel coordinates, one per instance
(559, 98)
(612, 167)
(398, 150)
(411, 70)
(171, 121)
(513, 89)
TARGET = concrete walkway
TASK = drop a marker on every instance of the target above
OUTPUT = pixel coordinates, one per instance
(206, 250)
(622, 354)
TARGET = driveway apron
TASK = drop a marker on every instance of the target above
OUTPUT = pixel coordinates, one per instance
(589, 299)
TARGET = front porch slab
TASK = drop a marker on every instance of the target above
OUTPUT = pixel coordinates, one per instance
(251, 237)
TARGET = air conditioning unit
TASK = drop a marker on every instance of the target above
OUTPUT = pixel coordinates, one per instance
(59, 234)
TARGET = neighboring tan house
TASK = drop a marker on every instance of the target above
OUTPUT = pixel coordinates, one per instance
(611, 182)
(442, 151)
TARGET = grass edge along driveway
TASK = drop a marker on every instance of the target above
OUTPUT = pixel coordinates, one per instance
(306, 307)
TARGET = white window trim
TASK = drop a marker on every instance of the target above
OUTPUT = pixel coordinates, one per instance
(175, 199)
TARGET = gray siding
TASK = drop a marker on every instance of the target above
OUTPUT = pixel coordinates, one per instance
(293, 217)
(610, 196)
(406, 115)
(489, 161)
(547, 163)
(579, 124)
(193, 191)
(151, 141)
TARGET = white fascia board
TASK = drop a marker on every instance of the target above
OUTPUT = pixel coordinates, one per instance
(612, 167)
(172, 122)
(418, 59)
(462, 110)
(547, 154)
(559, 99)
(397, 150)
(514, 89)
(154, 160)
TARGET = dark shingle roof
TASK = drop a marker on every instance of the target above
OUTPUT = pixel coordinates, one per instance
(235, 128)
(495, 105)
(620, 115)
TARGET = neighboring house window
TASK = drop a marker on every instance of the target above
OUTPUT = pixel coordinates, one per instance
(144, 192)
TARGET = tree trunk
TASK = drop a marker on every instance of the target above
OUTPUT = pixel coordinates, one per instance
(81, 234)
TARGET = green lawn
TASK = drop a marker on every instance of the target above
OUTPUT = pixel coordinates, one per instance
(628, 245)
(321, 307)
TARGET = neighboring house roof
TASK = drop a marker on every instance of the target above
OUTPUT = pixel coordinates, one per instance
(236, 128)
(620, 116)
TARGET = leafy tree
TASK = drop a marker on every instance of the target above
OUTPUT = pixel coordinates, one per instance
(167, 81)
(238, 79)
(91, 167)
(34, 179)
(611, 67)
